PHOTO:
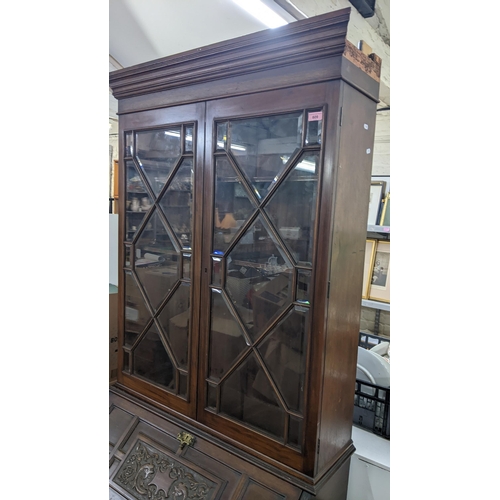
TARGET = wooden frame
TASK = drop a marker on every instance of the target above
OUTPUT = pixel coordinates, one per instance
(381, 273)
(115, 190)
(377, 189)
(371, 246)
(385, 216)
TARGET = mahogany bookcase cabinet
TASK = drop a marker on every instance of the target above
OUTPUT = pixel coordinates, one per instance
(245, 170)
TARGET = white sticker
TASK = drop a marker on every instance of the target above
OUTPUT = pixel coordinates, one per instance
(366, 126)
(368, 151)
(315, 116)
(243, 270)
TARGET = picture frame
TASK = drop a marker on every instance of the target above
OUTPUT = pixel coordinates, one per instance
(377, 190)
(386, 179)
(380, 280)
(385, 216)
(370, 248)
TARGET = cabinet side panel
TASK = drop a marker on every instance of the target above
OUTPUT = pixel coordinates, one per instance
(350, 214)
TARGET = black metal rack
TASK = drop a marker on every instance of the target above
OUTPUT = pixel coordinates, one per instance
(372, 402)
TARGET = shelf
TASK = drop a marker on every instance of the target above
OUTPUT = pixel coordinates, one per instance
(379, 229)
(374, 304)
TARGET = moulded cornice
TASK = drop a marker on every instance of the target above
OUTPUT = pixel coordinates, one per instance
(305, 40)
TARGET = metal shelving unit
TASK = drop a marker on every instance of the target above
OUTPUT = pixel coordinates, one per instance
(375, 304)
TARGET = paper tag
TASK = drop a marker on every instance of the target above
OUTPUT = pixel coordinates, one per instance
(315, 116)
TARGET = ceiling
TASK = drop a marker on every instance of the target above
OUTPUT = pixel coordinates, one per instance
(140, 30)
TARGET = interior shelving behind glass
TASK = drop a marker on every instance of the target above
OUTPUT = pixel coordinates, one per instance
(267, 172)
(158, 228)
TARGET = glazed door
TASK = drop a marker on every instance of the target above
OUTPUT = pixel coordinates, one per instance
(160, 253)
(262, 185)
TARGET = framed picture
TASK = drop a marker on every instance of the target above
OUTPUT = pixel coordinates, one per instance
(381, 273)
(377, 190)
(371, 245)
(386, 179)
(385, 216)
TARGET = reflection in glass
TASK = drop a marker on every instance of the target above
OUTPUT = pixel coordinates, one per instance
(303, 286)
(151, 360)
(284, 353)
(259, 278)
(221, 142)
(211, 396)
(226, 337)
(127, 250)
(126, 361)
(233, 207)
(188, 139)
(138, 201)
(295, 431)
(183, 385)
(292, 208)
(262, 147)
(157, 154)
(157, 261)
(314, 124)
(247, 395)
(129, 148)
(186, 266)
(136, 312)
(175, 321)
(177, 203)
(216, 269)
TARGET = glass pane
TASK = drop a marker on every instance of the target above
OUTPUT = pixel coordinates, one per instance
(259, 278)
(177, 203)
(221, 142)
(137, 202)
(247, 395)
(284, 353)
(175, 320)
(186, 266)
(211, 396)
(183, 385)
(157, 261)
(136, 312)
(157, 154)
(303, 286)
(129, 148)
(216, 269)
(188, 138)
(226, 337)
(151, 360)
(126, 361)
(314, 124)
(263, 146)
(292, 208)
(295, 431)
(127, 255)
(233, 207)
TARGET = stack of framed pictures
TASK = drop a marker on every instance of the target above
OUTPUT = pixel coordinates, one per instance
(377, 271)
(379, 206)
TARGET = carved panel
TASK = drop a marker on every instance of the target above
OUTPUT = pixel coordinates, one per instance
(148, 473)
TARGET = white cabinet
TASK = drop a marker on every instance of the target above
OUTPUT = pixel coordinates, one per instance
(369, 474)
